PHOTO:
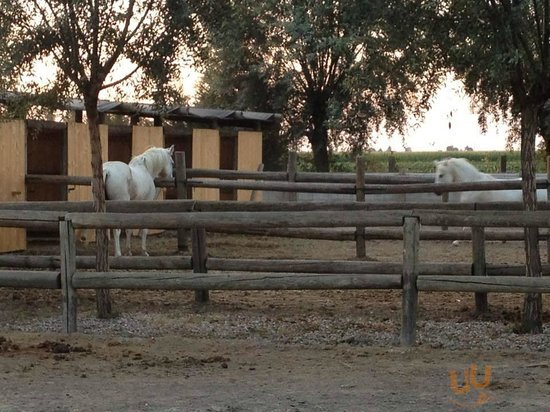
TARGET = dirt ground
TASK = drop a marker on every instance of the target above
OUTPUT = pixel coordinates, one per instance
(274, 351)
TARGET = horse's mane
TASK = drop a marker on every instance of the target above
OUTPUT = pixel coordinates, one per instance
(463, 165)
(151, 158)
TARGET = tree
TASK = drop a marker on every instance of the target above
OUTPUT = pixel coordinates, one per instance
(87, 43)
(234, 75)
(501, 50)
(342, 68)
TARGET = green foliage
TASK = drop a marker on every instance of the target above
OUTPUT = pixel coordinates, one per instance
(90, 46)
(336, 70)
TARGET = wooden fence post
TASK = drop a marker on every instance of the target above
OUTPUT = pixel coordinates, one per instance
(392, 164)
(291, 170)
(360, 197)
(503, 162)
(445, 199)
(548, 200)
(411, 241)
(479, 267)
(199, 260)
(254, 193)
(68, 268)
(181, 193)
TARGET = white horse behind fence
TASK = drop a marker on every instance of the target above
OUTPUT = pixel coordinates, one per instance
(455, 170)
(136, 181)
(459, 170)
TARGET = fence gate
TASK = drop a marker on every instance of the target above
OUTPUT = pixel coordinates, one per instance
(13, 167)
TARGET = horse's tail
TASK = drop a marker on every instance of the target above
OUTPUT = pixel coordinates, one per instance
(105, 177)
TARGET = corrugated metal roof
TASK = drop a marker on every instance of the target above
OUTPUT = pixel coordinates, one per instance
(182, 113)
(222, 117)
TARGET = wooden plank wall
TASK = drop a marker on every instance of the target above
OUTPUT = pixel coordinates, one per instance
(79, 163)
(206, 155)
(13, 167)
(249, 158)
(144, 137)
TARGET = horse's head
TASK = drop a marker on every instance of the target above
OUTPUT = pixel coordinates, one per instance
(168, 169)
(443, 173)
(157, 160)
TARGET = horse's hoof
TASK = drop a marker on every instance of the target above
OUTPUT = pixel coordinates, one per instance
(145, 253)
(456, 243)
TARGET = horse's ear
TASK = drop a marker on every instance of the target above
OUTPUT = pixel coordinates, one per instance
(171, 150)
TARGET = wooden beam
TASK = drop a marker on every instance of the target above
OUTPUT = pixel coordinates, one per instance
(233, 281)
(411, 241)
(509, 284)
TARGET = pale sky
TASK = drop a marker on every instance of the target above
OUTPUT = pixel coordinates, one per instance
(433, 134)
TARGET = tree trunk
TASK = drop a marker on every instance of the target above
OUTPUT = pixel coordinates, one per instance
(532, 304)
(320, 151)
(318, 137)
(103, 302)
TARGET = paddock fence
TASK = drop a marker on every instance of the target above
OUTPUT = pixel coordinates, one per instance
(358, 185)
(202, 273)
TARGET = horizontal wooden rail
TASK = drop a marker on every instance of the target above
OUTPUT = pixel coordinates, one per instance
(88, 262)
(337, 184)
(275, 186)
(235, 219)
(30, 279)
(349, 234)
(171, 205)
(509, 284)
(304, 177)
(235, 174)
(232, 281)
(81, 180)
(212, 220)
(258, 265)
(29, 218)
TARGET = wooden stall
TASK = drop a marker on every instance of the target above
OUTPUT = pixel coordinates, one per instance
(13, 165)
(79, 163)
(249, 158)
(206, 155)
(46, 155)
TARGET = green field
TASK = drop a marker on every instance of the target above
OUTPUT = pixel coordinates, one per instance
(422, 162)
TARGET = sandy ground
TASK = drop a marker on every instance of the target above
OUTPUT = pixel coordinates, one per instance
(274, 351)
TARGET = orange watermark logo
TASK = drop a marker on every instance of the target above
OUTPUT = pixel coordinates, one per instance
(470, 394)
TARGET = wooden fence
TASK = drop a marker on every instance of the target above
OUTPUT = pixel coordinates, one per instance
(245, 274)
(292, 182)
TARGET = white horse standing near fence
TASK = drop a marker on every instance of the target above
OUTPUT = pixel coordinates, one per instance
(459, 170)
(136, 181)
(455, 170)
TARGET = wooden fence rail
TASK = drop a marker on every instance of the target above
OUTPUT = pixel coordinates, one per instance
(399, 184)
(245, 274)
(260, 275)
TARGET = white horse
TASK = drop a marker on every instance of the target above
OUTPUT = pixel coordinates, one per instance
(136, 181)
(455, 170)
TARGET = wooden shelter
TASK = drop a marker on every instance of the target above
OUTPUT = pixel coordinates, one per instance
(210, 138)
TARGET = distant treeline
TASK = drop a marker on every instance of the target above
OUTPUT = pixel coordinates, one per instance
(422, 162)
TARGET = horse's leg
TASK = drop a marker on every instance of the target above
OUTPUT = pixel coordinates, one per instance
(129, 241)
(116, 235)
(144, 242)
